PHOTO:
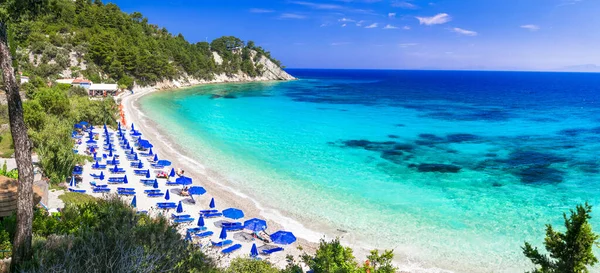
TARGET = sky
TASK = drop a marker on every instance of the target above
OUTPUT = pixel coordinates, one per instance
(395, 34)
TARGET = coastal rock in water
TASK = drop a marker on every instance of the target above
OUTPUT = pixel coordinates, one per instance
(440, 168)
(215, 96)
(230, 96)
(538, 174)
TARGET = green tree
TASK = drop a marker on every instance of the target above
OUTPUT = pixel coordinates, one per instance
(332, 257)
(245, 265)
(380, 263)
(569, 252)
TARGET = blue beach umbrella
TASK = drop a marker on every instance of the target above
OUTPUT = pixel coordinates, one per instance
(155, 185)
(255, 224)
(201, 221)
(119, 124)
(212, 203)
(196, 190)
(132, 127)
(223, 234)
(184, 180)
(179, 208)
(188, 237)
(105, 129)
(253, 251)
(115, 169)
(167, 196)
(101, 176)
(110, 154)
(91, 141)
(72, 183)
(155, 157)
(233, 213)
(84, 123)
(150, 153)
(140, 165)
(134, 202)
(164, 163)
(97, 165)
(125, 179)
(131, 151)
(148, 174)
(135, 156)
(172, 173)
(283, 237)
(78, 126)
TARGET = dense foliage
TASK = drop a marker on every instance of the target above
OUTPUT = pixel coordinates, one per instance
(571, 251)
(50, 114)
(120, 47)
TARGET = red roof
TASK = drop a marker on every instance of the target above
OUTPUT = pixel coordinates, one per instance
(79, 80)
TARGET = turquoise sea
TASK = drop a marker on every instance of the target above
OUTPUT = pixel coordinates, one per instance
(451, 169)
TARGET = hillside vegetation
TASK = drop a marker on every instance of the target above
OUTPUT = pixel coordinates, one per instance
(105, 44)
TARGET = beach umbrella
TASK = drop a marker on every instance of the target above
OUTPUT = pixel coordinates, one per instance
(167, 196)
(179, 208)
(188, 237)
(253, 251)
(150, 153)
(255, 224)
(97, 165)
(283, 237)
(125, 179)
(134, 202)
(172, 174)
(212, 203)
(131, 151)
(110, 154)
(84, 123)
(115, 169)
(223, 234)
(155, 185)
(197, 190)
(140, 165)
(164, 163)
(136, 133)
(135, 156)
(201, 221)
(72, 183)
(132, 127)
(183, 180)
(233, 213)
(105, 129)
(155, 157)
(78, 126)
(91, 141)
(119, 124)
(101, 176)
(148, 174)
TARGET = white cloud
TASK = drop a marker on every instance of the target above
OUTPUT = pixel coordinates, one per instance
(344, 25)
(373, 25)
(345, 20)
(340, 43)
(323, 25)
(440, 18)
(405, 5)
(531, 27)
(360, 23)
(408, 45)
(317, 5)
(464, 31)
(406, 27)
(257, 10)
(388, 26)
(568, 2)
(392, 14)
(291, 16)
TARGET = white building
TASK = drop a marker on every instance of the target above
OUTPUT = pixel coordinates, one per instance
(103, 89)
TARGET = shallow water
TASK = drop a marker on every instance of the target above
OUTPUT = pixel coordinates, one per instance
(451, 169)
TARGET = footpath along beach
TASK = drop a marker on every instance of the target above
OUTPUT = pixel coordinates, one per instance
(224, 196)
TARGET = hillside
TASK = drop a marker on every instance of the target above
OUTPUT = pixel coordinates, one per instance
(104, 44)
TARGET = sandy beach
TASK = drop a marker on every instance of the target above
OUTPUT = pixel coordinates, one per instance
(217, 188)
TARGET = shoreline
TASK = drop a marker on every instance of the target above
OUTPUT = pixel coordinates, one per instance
(215, 183)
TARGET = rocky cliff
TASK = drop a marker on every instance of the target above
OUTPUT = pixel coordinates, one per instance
(271, 72)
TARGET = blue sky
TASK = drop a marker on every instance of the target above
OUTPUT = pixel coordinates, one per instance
(395, 34)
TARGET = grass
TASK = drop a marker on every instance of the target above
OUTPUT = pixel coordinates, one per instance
(6, 144)
(76, 198)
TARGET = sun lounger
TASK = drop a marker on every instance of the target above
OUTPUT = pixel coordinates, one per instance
(142, 212)
(196, 230)
(221, 243)
(100, 167)
(183, 220)
(119, 171)
(76, 190)
(146, 154)
(100, 186)
(152, 191)
(204, 234)
(157, 166)
(140, 172)
(169, 183)
(156, 194)
(231, 249)
(95, 176)
(209, 211)
(113, 162)
(101, 190)
(147, 182)
(213, 215)
(177, 216)
(168, 205)
(235, 226)
(271, 251)
(125, 189)
(116, 179)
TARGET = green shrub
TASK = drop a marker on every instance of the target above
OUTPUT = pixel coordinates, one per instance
(245, 265)
(332, 257)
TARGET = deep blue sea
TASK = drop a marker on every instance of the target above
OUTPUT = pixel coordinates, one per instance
(451, 169)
